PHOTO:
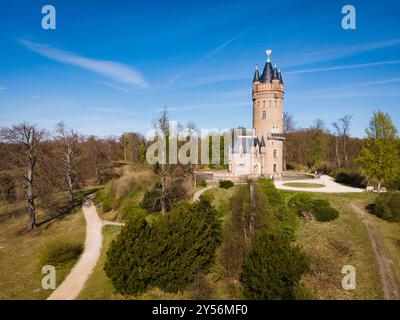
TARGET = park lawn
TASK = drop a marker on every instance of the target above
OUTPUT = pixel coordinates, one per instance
(390, 234)
(20, 269)
(332, 245)
(303, 185)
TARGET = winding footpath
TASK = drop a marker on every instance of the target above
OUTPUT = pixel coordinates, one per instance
(388, 281)
(75, 281)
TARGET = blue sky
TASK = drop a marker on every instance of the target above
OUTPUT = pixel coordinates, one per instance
(110, 66)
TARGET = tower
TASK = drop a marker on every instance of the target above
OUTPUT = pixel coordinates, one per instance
(268, 94)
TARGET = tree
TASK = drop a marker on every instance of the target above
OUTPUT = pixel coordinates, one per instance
(7, 188)
(345, 122)
(28, 139)
(379, 156)
(273, 268)
(168, 254)
(68, 141)
(317, 144)
(337, 134)
(288, 123)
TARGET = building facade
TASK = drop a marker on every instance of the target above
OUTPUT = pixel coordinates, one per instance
(261, 153)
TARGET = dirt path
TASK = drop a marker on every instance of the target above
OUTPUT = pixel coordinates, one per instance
(388, 281)
(79, 274)
(196, 196)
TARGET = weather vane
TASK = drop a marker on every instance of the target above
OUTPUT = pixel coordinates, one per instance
(268, 52)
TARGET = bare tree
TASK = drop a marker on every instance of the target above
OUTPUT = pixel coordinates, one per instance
(337, 134)
(345, 122)
(288, 123)
(27, 137)
(162, 127)
(68, 141)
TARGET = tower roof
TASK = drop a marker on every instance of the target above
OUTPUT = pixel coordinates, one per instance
(275, 74)
(280, 76)
(269, 73)
(256, 75)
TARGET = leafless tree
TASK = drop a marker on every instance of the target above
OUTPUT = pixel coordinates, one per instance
(161, 126)
(28, 138)
(68, 141)
(337, 134)
(345, 123)
(288, 123)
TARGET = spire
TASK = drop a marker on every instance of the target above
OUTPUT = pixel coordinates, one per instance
(280, 76)
(256, 75)
(275, 74)
(268, 71)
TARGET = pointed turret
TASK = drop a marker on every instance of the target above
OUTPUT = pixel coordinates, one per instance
(256, 75)
(280, 76)
(275, 74)
(268, 71)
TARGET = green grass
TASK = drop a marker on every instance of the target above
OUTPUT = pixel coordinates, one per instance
(331, 245)
(20, 267)
(303, 185)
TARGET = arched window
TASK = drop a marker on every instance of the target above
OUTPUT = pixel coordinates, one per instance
(264, 115)
(264, 104)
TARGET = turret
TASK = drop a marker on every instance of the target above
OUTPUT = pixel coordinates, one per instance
(256, 75)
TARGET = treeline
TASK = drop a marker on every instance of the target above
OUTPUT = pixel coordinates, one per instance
(320, 147)
(38, 164)
(374, 159)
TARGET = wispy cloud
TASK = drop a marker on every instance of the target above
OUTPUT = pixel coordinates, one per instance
(343, 67)
(115, 71)
(318, 54)
(215, 51)
(35, 97)
(2, 88)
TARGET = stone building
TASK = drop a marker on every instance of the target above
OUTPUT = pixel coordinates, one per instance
(261, 153)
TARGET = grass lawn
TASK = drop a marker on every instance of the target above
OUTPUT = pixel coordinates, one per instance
(303, 185)
(20, 269)
(331, 245)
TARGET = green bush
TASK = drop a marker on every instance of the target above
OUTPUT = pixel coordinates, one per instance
(323, 211)
(226, 184)
(350, 177)
(56, 252)
(273, 195)
(201, 183)
(387, 206)
(273, 268)
(301, 203)
(167, 254)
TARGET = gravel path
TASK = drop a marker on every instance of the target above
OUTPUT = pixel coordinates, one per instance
(330, 186)
(388, 281)
(75, 281)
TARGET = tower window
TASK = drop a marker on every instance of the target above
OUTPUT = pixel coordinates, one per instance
(275, 153)
(264, 115)
(274, 167)
(264, 104)
(276, 103)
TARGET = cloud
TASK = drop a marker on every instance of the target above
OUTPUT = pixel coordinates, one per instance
(115, 71)
(2, 88)
(315, 55)
(35, 97)
(343, 67)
